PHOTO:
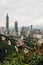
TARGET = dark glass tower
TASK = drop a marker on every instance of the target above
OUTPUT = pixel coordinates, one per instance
(31, 27)
(7, 23)
(16, 27)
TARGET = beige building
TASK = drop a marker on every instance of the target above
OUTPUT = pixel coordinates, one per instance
(12, 33)
(40, 42)
(39, 36)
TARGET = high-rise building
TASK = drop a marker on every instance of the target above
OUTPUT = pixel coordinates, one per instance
(31, 27)
(16, 27)
(7, 23)
(25, 31)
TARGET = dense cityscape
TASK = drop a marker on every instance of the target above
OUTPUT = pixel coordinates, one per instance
(21, 46)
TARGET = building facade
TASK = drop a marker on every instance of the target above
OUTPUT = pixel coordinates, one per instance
(7, 24)
(16, 27)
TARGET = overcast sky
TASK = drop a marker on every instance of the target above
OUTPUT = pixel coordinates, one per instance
(26, 12)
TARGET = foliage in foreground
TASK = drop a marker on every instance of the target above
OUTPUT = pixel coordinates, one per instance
(20, 59)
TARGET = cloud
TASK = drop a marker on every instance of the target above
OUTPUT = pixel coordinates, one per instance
(24, 11)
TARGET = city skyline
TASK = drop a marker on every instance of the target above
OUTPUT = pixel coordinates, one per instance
(26, 12)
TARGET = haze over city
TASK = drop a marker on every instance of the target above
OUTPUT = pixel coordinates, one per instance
(26, 12)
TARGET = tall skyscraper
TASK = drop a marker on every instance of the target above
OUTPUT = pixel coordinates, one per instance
(16, 27)
(31, 27)
(7, 23)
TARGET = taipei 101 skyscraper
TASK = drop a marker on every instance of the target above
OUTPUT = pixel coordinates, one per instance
(7, 24)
